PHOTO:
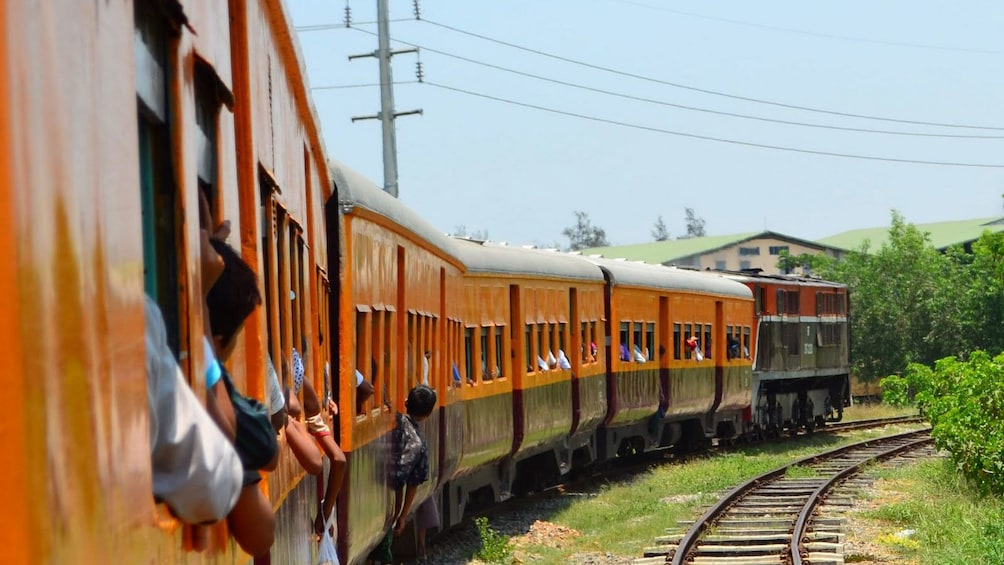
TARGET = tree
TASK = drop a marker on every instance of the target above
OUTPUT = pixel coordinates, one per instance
(659, 231)
(477, 235)
(810, 262)
(584, 234)
(695, 225)
(907, 302)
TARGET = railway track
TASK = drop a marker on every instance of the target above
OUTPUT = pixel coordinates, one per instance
(773, 518)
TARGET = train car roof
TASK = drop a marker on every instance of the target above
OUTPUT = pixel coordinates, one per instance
(669, 278)
(355, 190)
(484, 257)
(794, 280)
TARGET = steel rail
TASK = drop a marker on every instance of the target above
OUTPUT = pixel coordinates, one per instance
(802, 523)
(689, 541)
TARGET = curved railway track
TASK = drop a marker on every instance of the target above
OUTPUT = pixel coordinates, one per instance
(772, 518)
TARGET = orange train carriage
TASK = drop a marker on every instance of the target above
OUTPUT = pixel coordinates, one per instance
(115, 116)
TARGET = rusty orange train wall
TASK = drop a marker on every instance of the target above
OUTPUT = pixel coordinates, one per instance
(71, 289)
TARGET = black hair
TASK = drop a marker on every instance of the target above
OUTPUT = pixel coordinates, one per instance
(235, 294)
(421, 401)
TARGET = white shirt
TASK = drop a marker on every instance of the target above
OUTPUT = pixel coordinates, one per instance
(196, 470)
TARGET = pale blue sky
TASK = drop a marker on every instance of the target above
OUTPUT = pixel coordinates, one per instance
(519, 173)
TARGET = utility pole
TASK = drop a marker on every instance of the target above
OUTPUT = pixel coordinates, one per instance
(387, 114)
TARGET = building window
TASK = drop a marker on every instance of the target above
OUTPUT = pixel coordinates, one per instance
(744, 265)
(720, 265)
(749, 250)
(777, 249)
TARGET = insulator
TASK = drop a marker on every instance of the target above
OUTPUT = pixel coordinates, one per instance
(416, 9)
(419, 71)
(348, 14)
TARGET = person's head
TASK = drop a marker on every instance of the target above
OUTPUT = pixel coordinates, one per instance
(232, 299)
(421, 401)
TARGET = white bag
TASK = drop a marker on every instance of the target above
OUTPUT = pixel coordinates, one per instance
(700, 356)
(326, 554)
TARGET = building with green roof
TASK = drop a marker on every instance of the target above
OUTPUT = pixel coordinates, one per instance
(753, 250)
(941, 234)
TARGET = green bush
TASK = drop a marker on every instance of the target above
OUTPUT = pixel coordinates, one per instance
(965, 403)
(495, 547)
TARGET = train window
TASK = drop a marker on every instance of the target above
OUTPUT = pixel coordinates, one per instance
(453, 351)
(624, 352)
(687, 332)
(486, 358)
(562, 329)
(362, 357)
(469, 355)
(637, 352)
(378, 351)
(542, 330)
(650, 341)
(677, 343)
(499, 359)
(531, 363)
(707, 341)
(746, 342)
(388, 346)
(158, 205)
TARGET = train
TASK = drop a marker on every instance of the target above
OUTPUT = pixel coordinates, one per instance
(117, 117)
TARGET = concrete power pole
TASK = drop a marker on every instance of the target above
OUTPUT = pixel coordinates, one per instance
(387, 114)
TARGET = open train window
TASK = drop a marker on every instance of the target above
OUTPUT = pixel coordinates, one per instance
(687, 332)
(639, 355)
(677, 342)
(499, 360)
(158, 198)
(650, 341)
(746, 342)
(486, 358)
(378, 375)
(562, 328)
(542, 330)
(624, 352)
(531, 363)
(469, 354)
(698, 328)
(706, 342)
(362, 354)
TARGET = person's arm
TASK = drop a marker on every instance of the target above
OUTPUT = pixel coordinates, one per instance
(196, 470)
(336, 476)
(252, 523)
(402, 516)
(303, 447)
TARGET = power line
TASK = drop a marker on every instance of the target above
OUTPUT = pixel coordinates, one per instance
(367, 85)
(683, 106)
(706, 137)
(704, 90)
(326, 27)
(809, 33)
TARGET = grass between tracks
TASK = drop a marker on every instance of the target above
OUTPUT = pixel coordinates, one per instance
(622, 518)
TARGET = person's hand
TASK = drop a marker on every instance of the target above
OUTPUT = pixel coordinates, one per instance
(399, 527)
(293, 405)
(222, 231)
(319, 522)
